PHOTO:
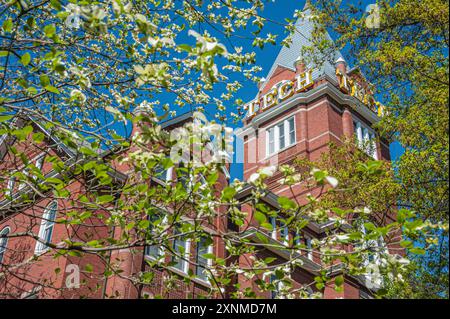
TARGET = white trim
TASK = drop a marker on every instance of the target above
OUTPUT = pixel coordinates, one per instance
(160, 249)
(183, 259)
(4, 242)
(275, 128)
(308, 245)
(365, 134)
(46, 225)
(209, 261)
(10, 186)
(187, 254)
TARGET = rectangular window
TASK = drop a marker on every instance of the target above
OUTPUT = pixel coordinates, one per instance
(22, 184)
(281, 136)
(3, 243)
(291, 131)
(40, 162)
(297, 238)
(10, 187)
(308, 244)
(284, 234)
(163, 174)
(154, 251)
(275, 293)
(181, 248)
(3, 138)
(273, 222)
(46, 229)
(202, 262)
(272, 140)
(366, 138)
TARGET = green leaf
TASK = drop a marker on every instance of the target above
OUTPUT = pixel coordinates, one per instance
(25, 59)
(286, 203)
(339, 281)
(269, 260)
(185, 47)
(56, 4)
(209, 256)
(44, 80)
(228, 193)
(260, 217)
(89, 268)
(105, 199)
(49, 30)
(7, 25)
(262, 238)
(4, 118)
(417, 251)
(144, 224)
(52, 89)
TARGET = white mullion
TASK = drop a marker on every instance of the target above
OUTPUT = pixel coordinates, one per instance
(187, 247)
(359, 133)
(276, 138)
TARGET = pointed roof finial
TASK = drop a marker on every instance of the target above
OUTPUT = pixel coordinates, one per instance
(299, 60)
(307, 5)
(340, 60)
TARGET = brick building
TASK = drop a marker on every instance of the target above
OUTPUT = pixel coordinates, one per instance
(299, 109)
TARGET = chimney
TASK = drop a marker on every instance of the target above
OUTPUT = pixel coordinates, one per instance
(300, 65)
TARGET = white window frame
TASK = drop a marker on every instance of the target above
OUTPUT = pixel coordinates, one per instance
(364, 133)
(276, 135)
(308, 244)
(273, 233)
(275, 294)
(3, 138)
(40, 161)
(22, 185)
(168, 178)
(46, 225)
(284, 234)
(160, 249)
(10, 186)
(208, 261)
(4, 242)
(184, 261)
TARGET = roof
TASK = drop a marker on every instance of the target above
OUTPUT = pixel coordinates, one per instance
(302, 38)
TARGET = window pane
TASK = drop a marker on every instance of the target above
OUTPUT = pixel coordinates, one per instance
(11, 183)
(183, 175)
(284, 233)
(3, 243)
(153, 250)
(271, 141)
(161, 173)
(202, 262)
(48, 234)
(291, 131)
(281, 134)
(48, 222)
(309, 247)
(179, 246)
(40, 162)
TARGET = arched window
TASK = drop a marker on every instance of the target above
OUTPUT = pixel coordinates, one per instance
(3, 243)
(47, 224)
